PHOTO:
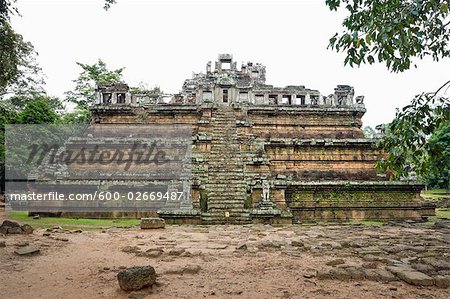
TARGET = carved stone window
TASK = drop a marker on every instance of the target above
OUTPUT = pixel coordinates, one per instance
(286, 100)
(120, 98)
(302, 100)
(107, 97)
(225, 96)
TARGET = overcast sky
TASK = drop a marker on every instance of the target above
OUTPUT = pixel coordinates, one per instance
(163, 42)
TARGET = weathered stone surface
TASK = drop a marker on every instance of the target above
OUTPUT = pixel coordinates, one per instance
(297, 243)
(216, 246)
(187, 269)
(176, 251)
(241, 246)
(27, 229)
(442, 281)
(14, 231)
(152, 223)
(335, 262)
(2, 243)
(9, 223)
(437, 263)
(152, 253)
(411, 276)
(26, 250)
(131, 249)
(379, 275)
(136, 278)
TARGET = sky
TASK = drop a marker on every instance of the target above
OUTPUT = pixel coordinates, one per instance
(163, 42)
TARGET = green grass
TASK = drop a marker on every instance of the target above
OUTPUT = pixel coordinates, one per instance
(71, 223)
(443, 213)
(365, 222)
(436, 193)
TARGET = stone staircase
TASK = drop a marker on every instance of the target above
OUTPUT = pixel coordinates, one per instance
(226, 187)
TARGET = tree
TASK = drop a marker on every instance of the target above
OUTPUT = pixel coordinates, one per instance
(20, 73)
(393, 32)
(438, 175)
(38, 111)
(84, 92)
(396, 32)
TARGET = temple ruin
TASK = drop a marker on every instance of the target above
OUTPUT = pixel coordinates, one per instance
(268, 154)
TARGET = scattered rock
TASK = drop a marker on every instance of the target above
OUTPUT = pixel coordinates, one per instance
(442, 281)
(2, 244)
(297, 243)
(241, 246)
(131, 249)
(21, 244)
(27, 229)
(176, 251)
(46, 234)
(12, 227)
(369, 265)
(9, 223)
(411, 276)
(379, 275)
(152, 252)
(30, 249)
(62, 239)
(323, 274)
(217, 246)
(335, 262)
(14, 230)
(152, 223)
(36, 217)
(136, 278)
(188, 269)
(439, 264)
(355, 273)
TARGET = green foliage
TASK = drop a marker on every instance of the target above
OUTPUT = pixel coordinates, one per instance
(394, 32)
(407, 138)
(80, 115)
(84, 92)
(438, 175)
(369, 132)
(39, 111)
(144, 88)
(20, 73)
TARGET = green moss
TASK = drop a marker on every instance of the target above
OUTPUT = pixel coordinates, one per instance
(203, 200)
(351, 196)
(248, 203)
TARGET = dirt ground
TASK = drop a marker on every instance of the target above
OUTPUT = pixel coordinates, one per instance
(250, 261)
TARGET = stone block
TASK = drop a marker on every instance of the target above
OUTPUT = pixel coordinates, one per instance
(152, 223)
(411, 276)
(136, 278)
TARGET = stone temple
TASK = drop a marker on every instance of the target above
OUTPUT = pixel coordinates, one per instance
(268, 154)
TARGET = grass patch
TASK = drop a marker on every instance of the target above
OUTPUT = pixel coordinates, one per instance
(71, 223)
(370, 222)
(435, 193)
(440, 214)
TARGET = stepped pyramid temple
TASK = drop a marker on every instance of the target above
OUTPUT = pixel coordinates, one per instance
(258, 153)
(268, 154)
